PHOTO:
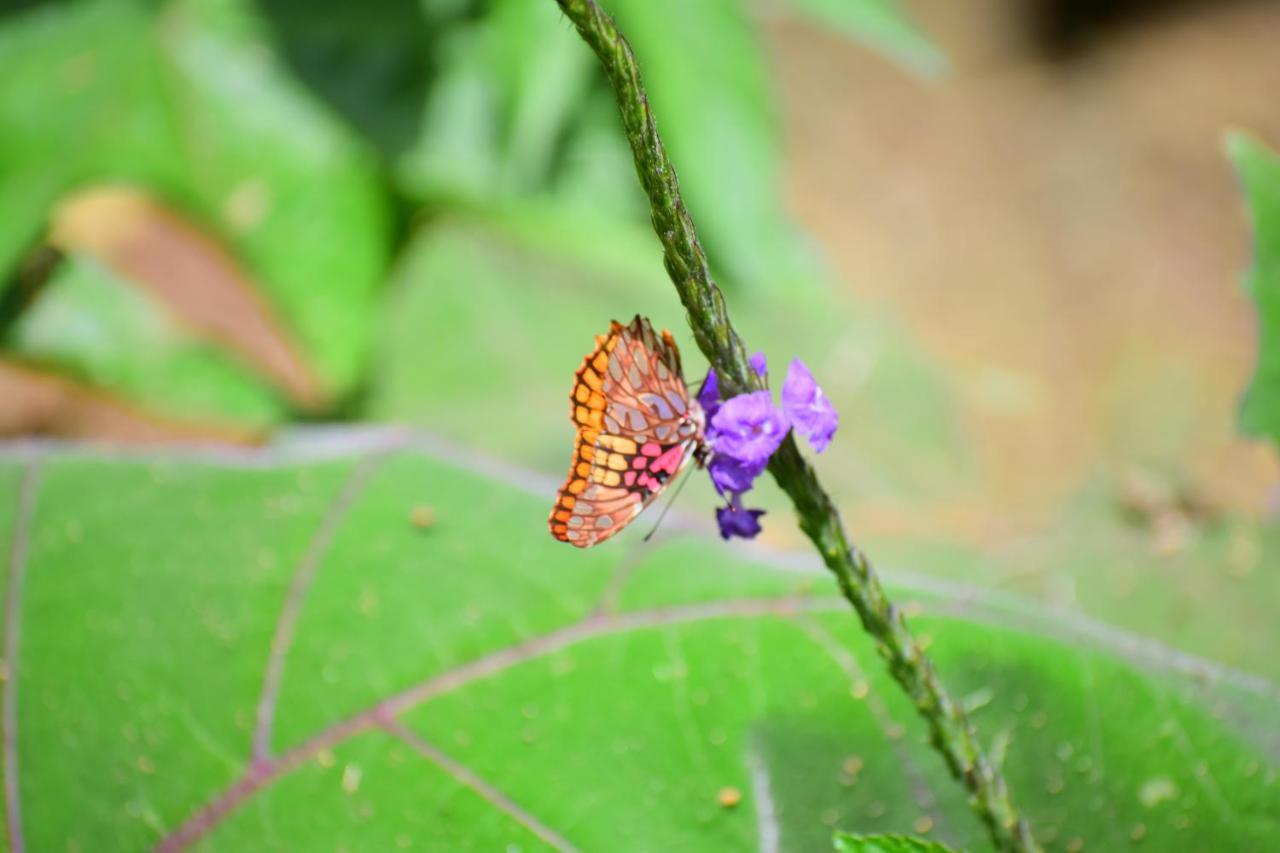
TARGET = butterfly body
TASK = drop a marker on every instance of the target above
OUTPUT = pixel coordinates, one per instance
(637, 427)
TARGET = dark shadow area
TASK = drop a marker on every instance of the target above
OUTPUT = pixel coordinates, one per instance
(25, 284)
(371, 61)
(1065, 29)
(13, 7)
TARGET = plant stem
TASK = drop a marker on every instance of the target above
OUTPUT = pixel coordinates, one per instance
(950, 731)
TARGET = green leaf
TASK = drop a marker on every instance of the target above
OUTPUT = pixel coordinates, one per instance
(91, 326)
(1259, 169)
(509, 84)
(187, 99)
(454, 677)
(544, 74)
(81, 97)
(847, 843)
(513, 115)
(722, 135)
(462, 284)
(881, 25)
(594, 155)
(457, 154)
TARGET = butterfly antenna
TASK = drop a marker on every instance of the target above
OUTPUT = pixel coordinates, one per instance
(684, 478)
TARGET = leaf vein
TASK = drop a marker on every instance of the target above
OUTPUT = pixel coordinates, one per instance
(468, 778)
(263, 772)
(304, 574)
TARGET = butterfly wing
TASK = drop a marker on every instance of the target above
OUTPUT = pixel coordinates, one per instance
(641, 384)
(612, 479)
(635, 431)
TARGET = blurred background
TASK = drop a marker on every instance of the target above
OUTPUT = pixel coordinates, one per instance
(1003, 233)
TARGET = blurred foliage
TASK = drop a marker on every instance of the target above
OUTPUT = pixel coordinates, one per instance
(186, 101)
(90, 325)
(881, 24)
(312, 148)
(1259, 169)
(613, 694)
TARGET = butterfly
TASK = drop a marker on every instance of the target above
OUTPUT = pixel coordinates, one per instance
(637, 428)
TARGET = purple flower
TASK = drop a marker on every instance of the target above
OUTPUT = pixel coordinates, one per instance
(709, 393)
(733, 476)
(736, 521)
(808, 409)
(744, 431)
(748, 428)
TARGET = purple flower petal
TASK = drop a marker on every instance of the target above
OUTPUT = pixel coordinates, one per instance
(759, 364)
(736, 521)
(748, 428)
(731, 475)
(709, 393)
(807, 408)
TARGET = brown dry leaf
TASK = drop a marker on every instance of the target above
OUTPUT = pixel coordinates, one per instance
(40, 403)
(196, 279)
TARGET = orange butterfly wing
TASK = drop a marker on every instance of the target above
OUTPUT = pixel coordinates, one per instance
(636, 429)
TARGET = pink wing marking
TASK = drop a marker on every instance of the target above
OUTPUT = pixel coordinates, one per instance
(669, 461)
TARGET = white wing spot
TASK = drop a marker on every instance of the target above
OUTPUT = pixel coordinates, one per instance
(659, 405)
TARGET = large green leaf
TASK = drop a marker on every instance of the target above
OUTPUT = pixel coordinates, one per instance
(186, 100)
(1259, 169)
(289, 651)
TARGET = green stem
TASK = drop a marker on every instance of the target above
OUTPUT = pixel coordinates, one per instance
(950, 731)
